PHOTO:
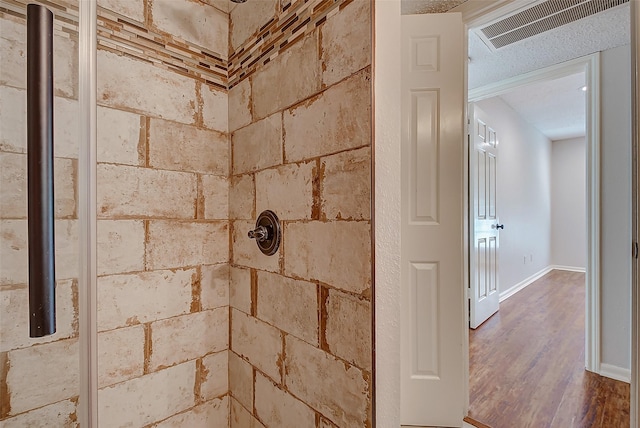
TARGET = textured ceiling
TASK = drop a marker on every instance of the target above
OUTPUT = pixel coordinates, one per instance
(411, 7)
(599, 32)
(556, 108)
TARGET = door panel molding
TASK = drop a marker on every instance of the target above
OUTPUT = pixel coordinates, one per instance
(590, 65)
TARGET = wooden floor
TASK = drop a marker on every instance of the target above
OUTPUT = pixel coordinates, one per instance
(527, 363)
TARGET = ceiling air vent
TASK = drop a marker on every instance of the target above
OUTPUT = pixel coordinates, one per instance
(541, 17)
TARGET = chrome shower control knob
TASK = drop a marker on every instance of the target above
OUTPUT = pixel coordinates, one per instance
(259, 234)
(267, 232)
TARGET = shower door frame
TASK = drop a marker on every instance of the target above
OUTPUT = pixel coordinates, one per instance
(87, 166)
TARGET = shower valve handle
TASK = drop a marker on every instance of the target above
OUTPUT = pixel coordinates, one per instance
(260, 234)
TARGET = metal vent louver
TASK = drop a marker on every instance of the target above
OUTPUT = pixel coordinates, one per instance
(542, 17)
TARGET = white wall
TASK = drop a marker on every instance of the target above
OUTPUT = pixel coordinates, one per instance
(524, 194)
(568, 203)
(616, 207)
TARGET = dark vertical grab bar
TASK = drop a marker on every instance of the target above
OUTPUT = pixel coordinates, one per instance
(42, 279)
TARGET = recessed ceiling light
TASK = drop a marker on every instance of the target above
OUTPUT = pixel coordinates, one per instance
(583, 89)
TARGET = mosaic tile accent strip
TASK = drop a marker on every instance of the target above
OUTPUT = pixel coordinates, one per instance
(118, 34)
(121, 35)
(297, 18)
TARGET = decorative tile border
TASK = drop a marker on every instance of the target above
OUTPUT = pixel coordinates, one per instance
(118, 34)
(297, 18)
(121, 35)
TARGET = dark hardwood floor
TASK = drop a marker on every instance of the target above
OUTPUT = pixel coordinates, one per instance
(527, 363)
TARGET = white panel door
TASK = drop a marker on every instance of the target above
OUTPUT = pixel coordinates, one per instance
(484, 227)
(432, 296)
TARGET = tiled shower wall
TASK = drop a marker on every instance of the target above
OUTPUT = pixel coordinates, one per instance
(163, 204)
(175, 202)
(40, 374)
(163, 229)
(301, 146)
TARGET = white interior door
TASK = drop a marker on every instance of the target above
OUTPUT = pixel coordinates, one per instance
(432, 281)
(484, 228)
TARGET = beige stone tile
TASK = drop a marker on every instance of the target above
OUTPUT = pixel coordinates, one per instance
(173, 338)
(348, 328)
(258, 342)
(222, 5)
(214, 413)
(13, 123)
(118, 137)
(215, 190)
(126, 191)
(214, 286)
(13, 197)
(301, 66)
(13, 117)
(277, 408)
(242, 418)
(14, 267)
(240, 289)
(240, 105)
(246, 252)
(297, 314)
(242, 197)
(120, 246)
(346, 42)
(143, 297)
(346, 185)
(182, 147)
(13, 45)
(147, 399)
(215, 376)
(339, 119)
(165, 94)
(65, 128)
(197, 23)
(215, 108)
(132, 9)
(14, 257)
(346, 402)
(60, 414)
(120, 355)
(65, 67)
(241, 380)
(336, 253)
(287, 190)
(247, 20)
(66, 246)
(258, 145)
(32, 381)
(173, 244)
(14, 321)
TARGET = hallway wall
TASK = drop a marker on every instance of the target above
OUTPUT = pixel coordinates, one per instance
(523, 195)
(615, 203)
(301, 137)
(568, 203)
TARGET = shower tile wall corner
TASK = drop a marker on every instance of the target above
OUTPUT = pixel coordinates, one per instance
(300, 123)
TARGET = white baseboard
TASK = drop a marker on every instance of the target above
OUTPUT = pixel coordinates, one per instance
(615, 372)
(568, 268)
(522, 284)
